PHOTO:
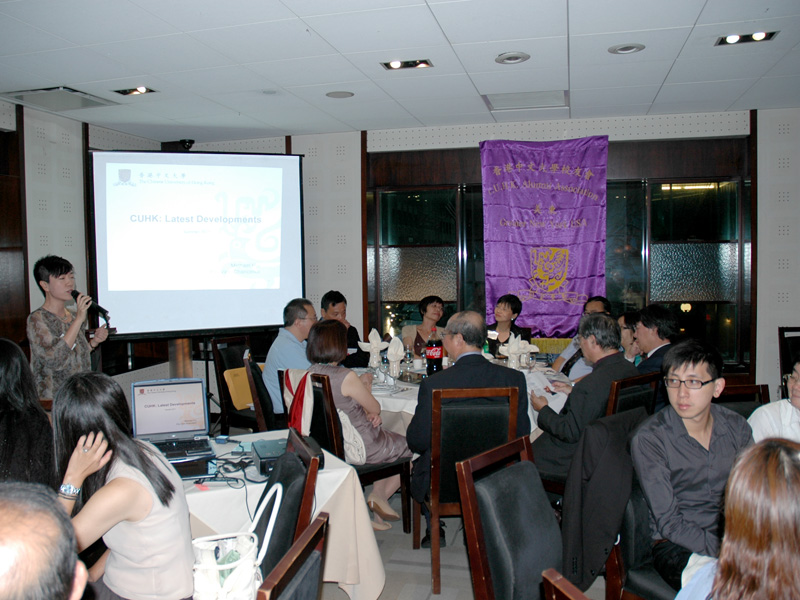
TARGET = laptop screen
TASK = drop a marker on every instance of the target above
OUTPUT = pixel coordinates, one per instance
(169, 409)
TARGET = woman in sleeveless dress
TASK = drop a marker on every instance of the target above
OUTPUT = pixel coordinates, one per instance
(327, 347)
(122, 490)
(431, 308)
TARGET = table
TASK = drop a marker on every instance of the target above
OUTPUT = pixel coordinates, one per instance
(352, 559)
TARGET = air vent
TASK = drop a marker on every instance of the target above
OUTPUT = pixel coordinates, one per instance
(57, 99)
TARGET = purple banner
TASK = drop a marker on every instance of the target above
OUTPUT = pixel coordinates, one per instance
(544, 228)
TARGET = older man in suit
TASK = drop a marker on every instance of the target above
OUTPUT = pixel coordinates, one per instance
(462, 338)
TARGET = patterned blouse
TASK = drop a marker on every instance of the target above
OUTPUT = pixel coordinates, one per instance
(52, 360)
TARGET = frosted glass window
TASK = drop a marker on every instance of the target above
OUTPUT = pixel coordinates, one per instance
(411, 273)
(694, 272)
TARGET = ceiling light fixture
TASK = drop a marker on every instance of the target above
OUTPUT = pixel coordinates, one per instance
(341, 94)
(734, 38)
(137, 91)
(626, 48)
(406, 64)
(512, 58)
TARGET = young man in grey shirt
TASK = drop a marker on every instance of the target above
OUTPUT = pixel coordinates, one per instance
(683, 456)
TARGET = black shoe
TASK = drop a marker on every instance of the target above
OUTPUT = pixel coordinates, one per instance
(426, 541)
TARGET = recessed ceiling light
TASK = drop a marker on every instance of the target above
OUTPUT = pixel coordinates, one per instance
(407, 64)
(512, 58)
(340, 94)
(626, 48)
(137, 91)
(744, 38)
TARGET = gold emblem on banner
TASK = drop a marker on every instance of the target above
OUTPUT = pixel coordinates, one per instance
(548, 274)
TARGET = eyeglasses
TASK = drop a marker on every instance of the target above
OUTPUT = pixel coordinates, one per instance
(691, 384)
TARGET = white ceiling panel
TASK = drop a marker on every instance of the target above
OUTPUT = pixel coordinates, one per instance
(583, 77)
(480, 20)
(193, 15)
(770, 92)
(540, 80)
(613, 96)
(225, 66)
(591, 16)
(379, 29)
(265, 41)
(660, 44)
(87, 22)
(545, 53)
(308, 71)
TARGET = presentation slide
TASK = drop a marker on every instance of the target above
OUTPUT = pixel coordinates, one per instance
(196, 242)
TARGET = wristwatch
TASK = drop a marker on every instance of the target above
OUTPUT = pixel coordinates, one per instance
(67, 489)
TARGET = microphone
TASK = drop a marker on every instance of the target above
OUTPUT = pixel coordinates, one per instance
(94, 305)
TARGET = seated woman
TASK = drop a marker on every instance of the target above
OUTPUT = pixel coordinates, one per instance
(416, 336)
(506, 311)
(26, 438)
(327, 347)
(57, 335)
(759, 556)
(122, 490)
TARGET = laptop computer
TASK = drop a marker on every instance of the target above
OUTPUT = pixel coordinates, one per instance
(172, 414)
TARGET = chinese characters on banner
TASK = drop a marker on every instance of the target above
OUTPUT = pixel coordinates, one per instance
(544, 228)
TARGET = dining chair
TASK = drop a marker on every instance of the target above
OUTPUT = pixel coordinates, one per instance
(228, 353)
(630, 574)
(557, 587)
(296, 471)
(512, 534)
(262, 404)
(326, 428)
(298, 575)
(464, 422)
(632, 392)
(743, 399)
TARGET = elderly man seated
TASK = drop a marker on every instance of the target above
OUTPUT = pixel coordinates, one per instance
(38, 553)
(781, 418)
(462, 338)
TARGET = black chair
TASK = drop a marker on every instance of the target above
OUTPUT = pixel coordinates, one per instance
(296, 471)
(228, 354)
(630, 574)
(326, 428)
(512, 534)
(557, 587)
(265, 414)
(743, 399)
(460, 430)
(633, 392)
(298, 575)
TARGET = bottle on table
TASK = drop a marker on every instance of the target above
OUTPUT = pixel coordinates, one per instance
(409, 356)
(434, 351)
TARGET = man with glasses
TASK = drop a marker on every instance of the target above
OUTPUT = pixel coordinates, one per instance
(683, 456)
(288, 351)
(571, 360)
(781, 418)
(463, 339)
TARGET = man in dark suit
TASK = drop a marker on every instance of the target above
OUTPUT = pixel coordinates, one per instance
(334, 306)
(654, 332)
(462, 338)
(599, 336)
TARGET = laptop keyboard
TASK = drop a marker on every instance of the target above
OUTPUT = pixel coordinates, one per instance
(181, 448)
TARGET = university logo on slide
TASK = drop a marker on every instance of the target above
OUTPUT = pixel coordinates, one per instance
(124, 175)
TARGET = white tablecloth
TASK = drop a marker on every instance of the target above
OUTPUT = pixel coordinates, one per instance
(352, 559)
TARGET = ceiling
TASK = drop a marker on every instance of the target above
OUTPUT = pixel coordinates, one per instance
(241, 69)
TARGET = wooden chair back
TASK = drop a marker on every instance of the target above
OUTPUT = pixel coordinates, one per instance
(744, 399)
(557, 587)
(262, 404)
(632, 392)
(228, 353)
(298, 575)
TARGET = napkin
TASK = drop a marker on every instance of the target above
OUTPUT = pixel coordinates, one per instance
(396, 350)
(517, 345)
(374, 346)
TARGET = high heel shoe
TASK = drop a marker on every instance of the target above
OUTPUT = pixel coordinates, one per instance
(381, 508)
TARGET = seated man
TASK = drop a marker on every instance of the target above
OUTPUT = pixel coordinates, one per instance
(599, 336)
(463, 339)
(781, 418)
(653, 333)
(334, 306)
(683, 455)
(288, 351)
(571, 361)
(37, 546)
